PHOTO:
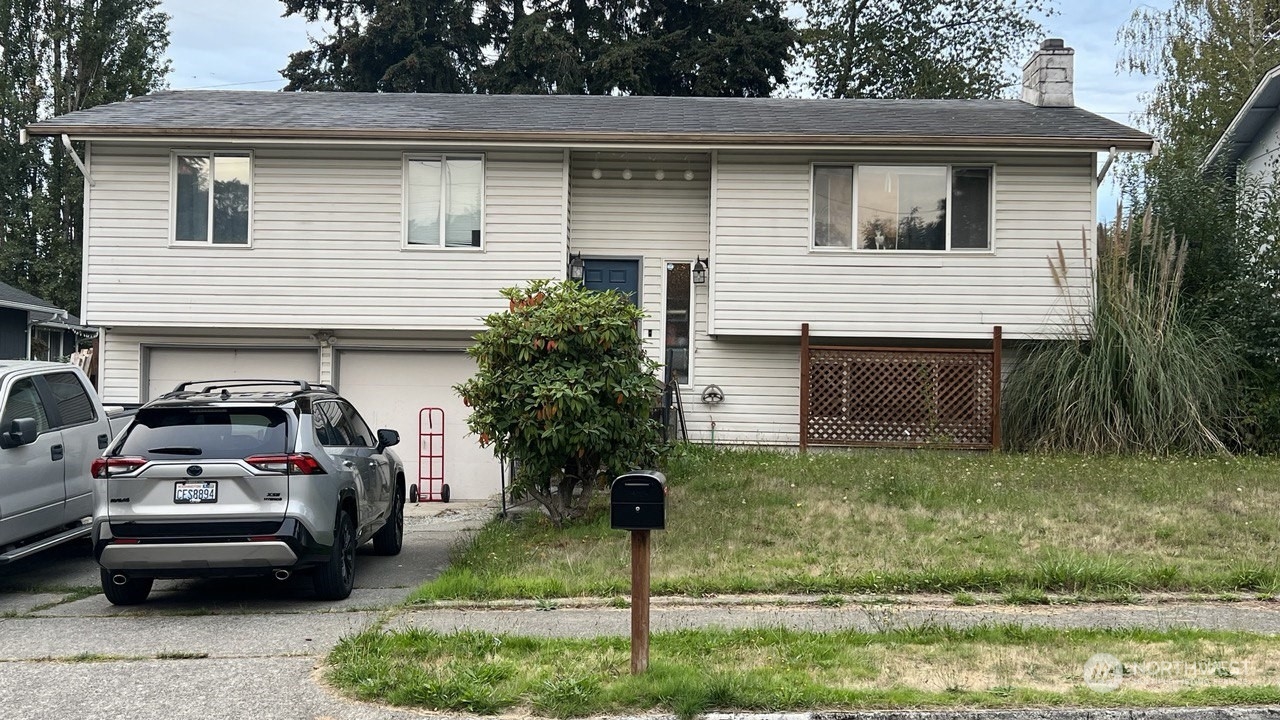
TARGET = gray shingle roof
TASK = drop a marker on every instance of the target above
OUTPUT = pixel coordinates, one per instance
(586, 119)
(13, 297)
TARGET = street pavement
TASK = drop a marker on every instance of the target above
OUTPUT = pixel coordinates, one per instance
(201, 649)
(254, 649)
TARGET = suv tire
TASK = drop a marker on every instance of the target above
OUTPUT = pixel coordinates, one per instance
(133, 592)
(334, 579)
(390, 537)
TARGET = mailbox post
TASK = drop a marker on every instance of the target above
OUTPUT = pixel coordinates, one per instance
(638, 502)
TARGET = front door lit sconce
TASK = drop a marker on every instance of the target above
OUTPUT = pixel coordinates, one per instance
(576, 267)
(700, 270)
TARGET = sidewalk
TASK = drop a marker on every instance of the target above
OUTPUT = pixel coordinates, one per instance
(549, 618)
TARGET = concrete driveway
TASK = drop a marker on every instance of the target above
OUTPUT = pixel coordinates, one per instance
(199, 648)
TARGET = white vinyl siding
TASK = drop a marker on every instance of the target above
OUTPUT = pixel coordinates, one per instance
(667, 221)
(768, 279)
(654, 221)
(327, 245)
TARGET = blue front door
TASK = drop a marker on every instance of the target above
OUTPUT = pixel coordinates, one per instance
(620, 275)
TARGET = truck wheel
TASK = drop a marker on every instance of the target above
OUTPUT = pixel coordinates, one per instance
(334, 579)
(133, 592)
(390, 537)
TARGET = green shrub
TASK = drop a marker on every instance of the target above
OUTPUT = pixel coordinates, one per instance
(564, 388)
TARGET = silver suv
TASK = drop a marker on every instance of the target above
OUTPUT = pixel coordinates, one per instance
(245, 477)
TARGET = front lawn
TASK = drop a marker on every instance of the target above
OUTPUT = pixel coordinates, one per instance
(919, 521)
(695, 671)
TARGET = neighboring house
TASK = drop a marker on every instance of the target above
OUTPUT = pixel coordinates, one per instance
(1252, 139)
(360, 238)
(33, 329)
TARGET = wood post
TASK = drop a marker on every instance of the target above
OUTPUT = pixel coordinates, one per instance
(639, 601)
(997, 342)
(804, 387)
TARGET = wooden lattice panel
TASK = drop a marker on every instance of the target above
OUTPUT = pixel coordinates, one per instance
(869, 396)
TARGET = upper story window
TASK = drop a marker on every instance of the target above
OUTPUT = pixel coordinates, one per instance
(212, 196)
(444, 200)
(902, 207)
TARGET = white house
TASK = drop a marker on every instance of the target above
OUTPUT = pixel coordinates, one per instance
(1252, 139)
(360, 238)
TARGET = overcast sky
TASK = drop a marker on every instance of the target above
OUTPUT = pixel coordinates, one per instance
(243, 44)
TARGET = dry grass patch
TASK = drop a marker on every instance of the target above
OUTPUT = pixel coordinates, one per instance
(883, 521)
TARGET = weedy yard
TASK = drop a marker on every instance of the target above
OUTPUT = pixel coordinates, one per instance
(693, 671)
(919, 521)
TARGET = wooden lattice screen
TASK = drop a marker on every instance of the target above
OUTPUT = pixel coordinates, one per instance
(899, 397)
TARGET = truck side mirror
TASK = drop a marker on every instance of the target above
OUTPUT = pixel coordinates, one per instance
(22, 431)
(387, 438)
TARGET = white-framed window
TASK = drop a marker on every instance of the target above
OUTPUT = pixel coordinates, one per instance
(443, 201)
(677, 319)
(878, 207)
(47, 344)
(212, 197)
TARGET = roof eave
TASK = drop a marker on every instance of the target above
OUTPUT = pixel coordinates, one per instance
(30, 307)
(82, 132)
(1228, 138)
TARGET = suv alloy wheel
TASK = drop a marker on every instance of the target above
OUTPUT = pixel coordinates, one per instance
(335, 579)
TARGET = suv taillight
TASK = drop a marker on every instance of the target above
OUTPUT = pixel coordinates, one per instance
(103, 466)
(295, 463)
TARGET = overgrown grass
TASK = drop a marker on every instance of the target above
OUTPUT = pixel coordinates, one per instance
(1130, 373)
(919, 521)
(695, 671)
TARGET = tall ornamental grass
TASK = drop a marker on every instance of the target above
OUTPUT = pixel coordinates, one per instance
(1130, 372)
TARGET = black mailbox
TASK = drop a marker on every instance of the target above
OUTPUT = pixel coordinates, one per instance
(638, 501)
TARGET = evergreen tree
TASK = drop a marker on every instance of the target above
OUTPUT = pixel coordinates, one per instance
(718, 48)
(389, 46)
(61, 56)
(916, 48)
(644, 47)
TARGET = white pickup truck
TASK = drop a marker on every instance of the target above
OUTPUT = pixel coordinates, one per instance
(52, 426)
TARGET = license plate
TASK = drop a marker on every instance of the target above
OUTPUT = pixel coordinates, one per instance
(195, 492)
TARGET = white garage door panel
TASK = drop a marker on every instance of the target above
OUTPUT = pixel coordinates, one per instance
(389, 388)
(166, 367)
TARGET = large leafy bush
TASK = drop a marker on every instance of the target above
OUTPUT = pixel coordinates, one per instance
(564, 389)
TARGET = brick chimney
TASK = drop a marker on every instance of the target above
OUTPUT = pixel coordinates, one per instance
(1048, 77)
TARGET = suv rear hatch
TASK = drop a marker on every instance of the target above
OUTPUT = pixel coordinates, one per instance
(185, 470)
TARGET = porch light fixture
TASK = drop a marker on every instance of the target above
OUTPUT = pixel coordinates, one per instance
(699, 270)
(626, 174)
(595, 173)
(659, 174)
(576, 267)
(688, 174)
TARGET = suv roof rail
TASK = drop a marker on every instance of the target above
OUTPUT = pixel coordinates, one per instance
(211, 385)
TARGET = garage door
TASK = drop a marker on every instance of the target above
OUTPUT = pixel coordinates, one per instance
(167, 367)
(391, 387)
